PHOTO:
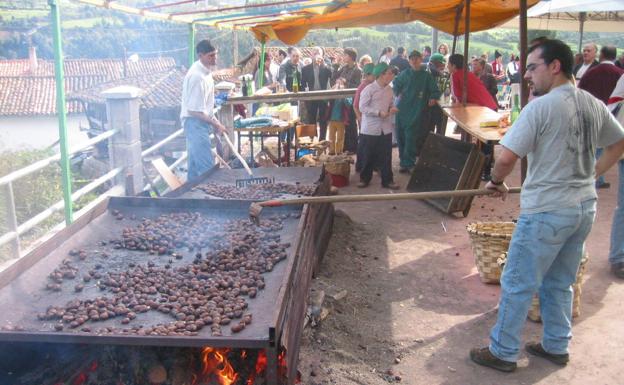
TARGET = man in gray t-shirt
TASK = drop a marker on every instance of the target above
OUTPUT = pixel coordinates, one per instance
(558, 133)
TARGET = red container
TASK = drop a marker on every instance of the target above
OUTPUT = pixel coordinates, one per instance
(339, 180)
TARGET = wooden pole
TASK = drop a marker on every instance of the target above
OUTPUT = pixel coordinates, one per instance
(466, 42)
(458, 13)
(524, 87)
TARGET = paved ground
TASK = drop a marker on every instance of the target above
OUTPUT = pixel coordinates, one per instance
(415, 305)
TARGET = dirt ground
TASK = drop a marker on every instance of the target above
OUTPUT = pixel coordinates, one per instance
(414, 304)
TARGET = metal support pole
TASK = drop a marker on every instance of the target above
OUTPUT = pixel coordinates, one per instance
(11, 219)
(191, 45)
(466, 42)
(262, 50)
(434, 40)
(61, 109)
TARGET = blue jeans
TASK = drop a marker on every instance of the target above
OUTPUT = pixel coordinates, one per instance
(601, 178)
(198, 146)
(544, 255)
(616, 253)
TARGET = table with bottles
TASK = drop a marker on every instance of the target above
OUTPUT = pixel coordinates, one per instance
(469, 119)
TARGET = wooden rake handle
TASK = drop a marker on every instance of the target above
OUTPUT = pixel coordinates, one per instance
(242, 160)
(382, 197)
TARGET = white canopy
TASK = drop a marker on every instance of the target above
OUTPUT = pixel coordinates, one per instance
(567, 15)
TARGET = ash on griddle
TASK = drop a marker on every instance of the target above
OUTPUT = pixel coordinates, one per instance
(210, 291)
(257, 191)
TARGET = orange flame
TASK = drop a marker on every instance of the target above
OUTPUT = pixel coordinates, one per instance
(215, 366)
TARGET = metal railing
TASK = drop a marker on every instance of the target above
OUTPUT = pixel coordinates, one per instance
(16, 229)
(6, 182)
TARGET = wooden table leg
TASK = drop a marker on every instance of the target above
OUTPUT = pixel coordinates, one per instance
(279, 149)
(251, 155)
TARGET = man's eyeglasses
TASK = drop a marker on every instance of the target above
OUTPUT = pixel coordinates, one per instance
(533, 66)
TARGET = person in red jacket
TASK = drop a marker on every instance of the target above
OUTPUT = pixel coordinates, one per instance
(477, 94)
(600, 81)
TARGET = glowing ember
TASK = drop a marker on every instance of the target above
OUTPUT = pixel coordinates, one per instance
(215, 367)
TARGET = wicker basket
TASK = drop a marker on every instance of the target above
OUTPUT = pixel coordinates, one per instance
(489, 240)
(534, 311)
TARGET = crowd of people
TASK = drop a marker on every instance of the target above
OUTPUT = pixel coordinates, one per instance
(420, 79)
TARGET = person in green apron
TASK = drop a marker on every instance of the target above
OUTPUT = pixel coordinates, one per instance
(415, 88)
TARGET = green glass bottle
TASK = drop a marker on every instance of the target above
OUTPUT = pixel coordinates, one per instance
(515, 109)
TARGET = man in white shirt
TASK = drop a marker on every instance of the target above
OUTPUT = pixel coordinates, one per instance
(375, 145)
(197, 110)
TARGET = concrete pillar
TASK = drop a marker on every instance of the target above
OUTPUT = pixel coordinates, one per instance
(124, 148)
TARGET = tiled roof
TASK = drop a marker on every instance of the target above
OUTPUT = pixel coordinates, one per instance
(112, 68)
(22, 96)
(24, 92)
(161, 89)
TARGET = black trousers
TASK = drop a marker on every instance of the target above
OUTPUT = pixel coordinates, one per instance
(376, 152)
(351, 133)
(317, 113)
(433, 118)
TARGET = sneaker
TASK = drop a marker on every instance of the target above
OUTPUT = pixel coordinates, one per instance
(392, 186)
(483, 356)
(618, 269)
(603, 185)
(362, 184)
(536, 349)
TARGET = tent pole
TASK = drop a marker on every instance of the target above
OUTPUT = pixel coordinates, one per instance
(582, 18)
(466, 42)
(434, 40)
(261, 67)
(191, 45)
(458, 13)
(524, 87)
(61, 109)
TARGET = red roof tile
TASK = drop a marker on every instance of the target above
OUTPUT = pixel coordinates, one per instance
(24, 92)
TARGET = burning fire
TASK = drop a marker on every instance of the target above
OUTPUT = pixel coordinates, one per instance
(215, 367)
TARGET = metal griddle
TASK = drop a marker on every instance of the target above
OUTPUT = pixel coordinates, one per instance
(23, 293)
(302, 175)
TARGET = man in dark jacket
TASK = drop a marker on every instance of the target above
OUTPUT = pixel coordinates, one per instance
(589, 61)
(314, 77)
(399, 60)
(290, 69)
(488, 80)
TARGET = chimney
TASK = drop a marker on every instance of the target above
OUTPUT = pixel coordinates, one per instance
(32, 59)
